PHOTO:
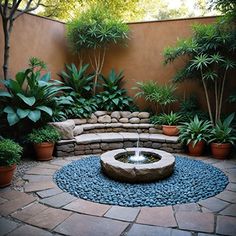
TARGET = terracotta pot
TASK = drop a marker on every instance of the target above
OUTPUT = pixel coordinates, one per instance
(6, 174)
(170, 130)
(197, 150)
(44, 151)
(220, 150)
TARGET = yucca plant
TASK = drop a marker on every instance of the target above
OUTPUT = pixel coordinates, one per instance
(194, 131)
(78, 80)
(209, 54)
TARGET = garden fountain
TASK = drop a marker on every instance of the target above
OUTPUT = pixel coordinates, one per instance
(137, 164)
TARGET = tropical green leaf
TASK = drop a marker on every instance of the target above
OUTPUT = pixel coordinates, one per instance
(22, 113)
(12, 118)
(5, 94)
(28, 100)
(48, 110)
(34, 115)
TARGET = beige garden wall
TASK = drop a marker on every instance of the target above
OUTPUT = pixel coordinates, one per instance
(141, 60)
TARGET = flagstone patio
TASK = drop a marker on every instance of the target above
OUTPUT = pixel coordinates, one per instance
(41, 208)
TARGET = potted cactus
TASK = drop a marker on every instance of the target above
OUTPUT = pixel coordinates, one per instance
(195, 134)
(43, 140)
(223, 137)
(10, 154)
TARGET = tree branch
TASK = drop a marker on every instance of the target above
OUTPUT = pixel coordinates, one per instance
(28, 9)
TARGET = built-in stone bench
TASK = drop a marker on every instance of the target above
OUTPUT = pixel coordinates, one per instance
(101, 142)
(106, 131)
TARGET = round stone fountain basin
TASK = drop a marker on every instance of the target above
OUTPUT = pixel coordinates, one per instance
(136, 173)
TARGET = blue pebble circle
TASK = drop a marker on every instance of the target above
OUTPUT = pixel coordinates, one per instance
(191, 181)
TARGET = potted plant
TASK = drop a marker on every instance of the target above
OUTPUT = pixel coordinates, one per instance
(222, 138)
(10, 153)
(169, 123)
(195, 134)
(44, 139)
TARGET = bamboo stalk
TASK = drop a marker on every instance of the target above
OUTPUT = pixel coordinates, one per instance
(222, 92)
(207, 99)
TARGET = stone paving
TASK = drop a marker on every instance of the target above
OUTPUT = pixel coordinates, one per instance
(42, 209)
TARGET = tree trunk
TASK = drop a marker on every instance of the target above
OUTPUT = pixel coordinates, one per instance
(7, 28)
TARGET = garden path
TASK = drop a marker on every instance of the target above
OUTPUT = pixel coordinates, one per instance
(41, 208)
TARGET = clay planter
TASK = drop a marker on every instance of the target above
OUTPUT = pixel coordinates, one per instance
(170, 130)
(197, 150)
(220, 150)
(44, 151)
(6, 174)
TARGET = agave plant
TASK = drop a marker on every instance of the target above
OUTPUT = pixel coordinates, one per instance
(195, 131)
(30, 96)
(77, 79)
(223, 132)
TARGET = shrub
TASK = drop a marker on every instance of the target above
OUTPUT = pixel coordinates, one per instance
(30, 98)
(113, 98)
(77, 80)
(44, 134)
(160, 95)
(10, 152)
(166, 119)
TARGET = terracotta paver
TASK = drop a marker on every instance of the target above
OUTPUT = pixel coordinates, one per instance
(84, 225)
(213, 204)
(49, 166)
(148, 230)
(159, 216)
(87, 207)
(60, 162)
(2, 200)
(15, 204)
(197, 221)
(49, 218)
(29, 211)
(228, 196)
(58, 200)
(122, 213)
(226, 225)
(37, 186)
(37, 178)
(40, 171)
(28, 230)
(49, 192)
(6, 226)
(12, 194)
(187, 207)
(229, 210)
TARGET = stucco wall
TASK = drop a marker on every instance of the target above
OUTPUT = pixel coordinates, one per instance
(141, 60)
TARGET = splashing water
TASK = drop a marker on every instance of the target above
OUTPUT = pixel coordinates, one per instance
(137, 157)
